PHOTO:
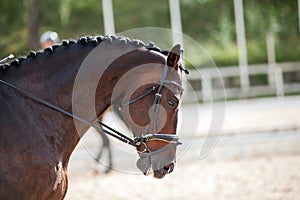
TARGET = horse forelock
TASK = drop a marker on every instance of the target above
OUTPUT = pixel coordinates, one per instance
(85, 41)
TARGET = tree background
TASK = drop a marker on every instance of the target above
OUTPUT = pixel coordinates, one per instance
(210, 22)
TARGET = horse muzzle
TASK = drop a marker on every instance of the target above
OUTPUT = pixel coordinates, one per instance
(157, 151)
(159, 171)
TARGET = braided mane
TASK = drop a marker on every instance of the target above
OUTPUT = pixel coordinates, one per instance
(86, 40)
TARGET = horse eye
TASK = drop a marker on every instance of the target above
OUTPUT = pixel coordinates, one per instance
(172, 103)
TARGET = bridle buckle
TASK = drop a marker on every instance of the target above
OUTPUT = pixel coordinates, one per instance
(142, 148)
(158, 95)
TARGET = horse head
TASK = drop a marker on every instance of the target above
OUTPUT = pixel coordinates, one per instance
(151, 110)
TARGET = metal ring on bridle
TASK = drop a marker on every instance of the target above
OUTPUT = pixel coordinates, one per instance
(145, 149)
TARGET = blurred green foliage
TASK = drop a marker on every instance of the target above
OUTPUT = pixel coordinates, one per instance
(210, 22)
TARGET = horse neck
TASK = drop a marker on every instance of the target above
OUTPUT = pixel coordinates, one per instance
(51, 77)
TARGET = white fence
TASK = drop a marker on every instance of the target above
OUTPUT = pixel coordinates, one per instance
(224, 83)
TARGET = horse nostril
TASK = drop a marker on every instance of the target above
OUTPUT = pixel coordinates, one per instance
(166, 168)
(169, 168)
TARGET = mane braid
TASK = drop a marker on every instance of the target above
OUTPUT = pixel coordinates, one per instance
(86, 40)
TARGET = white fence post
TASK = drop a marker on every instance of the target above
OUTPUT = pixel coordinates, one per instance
(279, 83)
(271, 58)
(108, 17)
(175, 16)
(207, 88)
(241, 42)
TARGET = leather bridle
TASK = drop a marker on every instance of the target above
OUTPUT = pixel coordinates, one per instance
(140, 142)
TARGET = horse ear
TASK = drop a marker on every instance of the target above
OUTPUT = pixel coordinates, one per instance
(174, 57)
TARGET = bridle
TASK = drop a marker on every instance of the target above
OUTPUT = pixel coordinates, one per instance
(139, 142)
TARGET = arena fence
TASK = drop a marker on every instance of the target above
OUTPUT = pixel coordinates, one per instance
(207, 84)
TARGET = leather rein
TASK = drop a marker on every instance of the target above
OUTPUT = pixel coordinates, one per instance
(139, 141)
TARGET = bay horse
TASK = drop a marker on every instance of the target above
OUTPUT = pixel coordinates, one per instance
(39, 126)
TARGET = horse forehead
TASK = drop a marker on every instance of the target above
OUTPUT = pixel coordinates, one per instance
(154, 73)
(174, 75)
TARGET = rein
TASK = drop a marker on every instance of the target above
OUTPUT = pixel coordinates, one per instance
(114, 133)
(139, 141)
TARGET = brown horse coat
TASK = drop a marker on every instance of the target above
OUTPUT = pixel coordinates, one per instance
(36, 141)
